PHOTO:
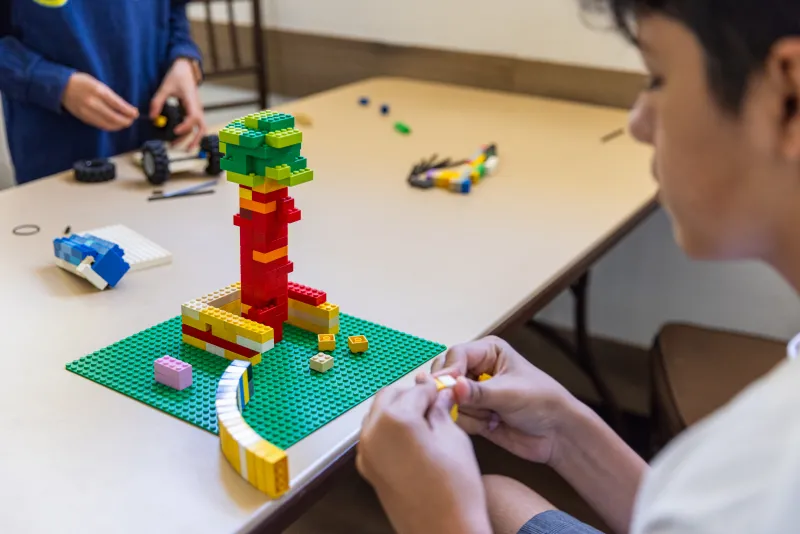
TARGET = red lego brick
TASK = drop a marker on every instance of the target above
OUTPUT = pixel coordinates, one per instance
(306, 294)
(208, 337)
(293, 216)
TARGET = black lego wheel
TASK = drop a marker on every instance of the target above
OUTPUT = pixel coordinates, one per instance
(210, 145)
(94, 170)
(174, 114)
(155, 162)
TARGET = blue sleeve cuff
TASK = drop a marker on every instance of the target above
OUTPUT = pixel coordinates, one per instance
(47, 83)
(187, 50)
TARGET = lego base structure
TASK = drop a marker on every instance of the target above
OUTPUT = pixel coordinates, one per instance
(290, 400)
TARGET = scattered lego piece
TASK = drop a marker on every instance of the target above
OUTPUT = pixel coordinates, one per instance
(385, 109)
(484, 377)
(364, 101)
(612, 135)
(173, 373)
(402, 128)
(321, 363)
(24, 230)
(456, 176)
(357, 344)
(326, 342)
(67, 230)
(140, 252)
(99, 261)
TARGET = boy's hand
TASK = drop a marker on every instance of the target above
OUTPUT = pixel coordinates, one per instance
(94, 103)
(520, 408)
(422, 466)
(181, 82)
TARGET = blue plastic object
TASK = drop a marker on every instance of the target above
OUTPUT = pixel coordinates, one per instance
(385, 109)
(108, 260)
(364, 101)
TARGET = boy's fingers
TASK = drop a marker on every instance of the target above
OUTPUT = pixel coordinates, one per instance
(116, 102)
(108, 119)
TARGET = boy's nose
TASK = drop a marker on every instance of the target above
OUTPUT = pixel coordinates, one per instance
(641, 121)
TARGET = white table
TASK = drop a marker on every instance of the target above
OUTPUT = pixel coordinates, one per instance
(78, 457)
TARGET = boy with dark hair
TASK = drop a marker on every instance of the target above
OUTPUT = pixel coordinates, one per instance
(81, 79)
(721, 111)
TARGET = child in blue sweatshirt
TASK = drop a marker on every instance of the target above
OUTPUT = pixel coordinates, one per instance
(81, 78)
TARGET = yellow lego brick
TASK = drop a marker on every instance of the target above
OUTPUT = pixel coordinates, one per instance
(272, 468)
(272, 255)
(311, 327)
(258, 207)
(269, 186)
(245, 193)
(193, 341)
(234, 307)
(239, 325)
(326, 342)
(245, 388)
(325, 311)
(484, 377)
(357, 343)
(200, 325)
(245, 308)
(294, 313)
(454, 413)
(255, 360)
(223, 332)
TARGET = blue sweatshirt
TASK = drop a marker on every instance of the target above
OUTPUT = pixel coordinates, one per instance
(127, 44)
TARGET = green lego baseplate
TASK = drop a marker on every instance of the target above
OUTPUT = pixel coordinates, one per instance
(290, 400)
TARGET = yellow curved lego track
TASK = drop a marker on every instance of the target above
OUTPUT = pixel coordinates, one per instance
(261, 463)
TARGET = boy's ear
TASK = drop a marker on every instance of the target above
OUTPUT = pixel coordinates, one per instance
(784, 64)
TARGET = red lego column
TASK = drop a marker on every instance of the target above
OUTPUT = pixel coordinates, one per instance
(263, 239)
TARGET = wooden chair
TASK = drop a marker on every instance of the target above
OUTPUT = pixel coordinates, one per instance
(697, 370)
(233, 64)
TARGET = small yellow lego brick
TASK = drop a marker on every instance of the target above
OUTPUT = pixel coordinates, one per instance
(321, 362)
(357, 344)
(484, 377)
(269, 186)
(272, 255)
(324, 312)
(326, 342)
(245, 193)
(234, 307)
(200, 325)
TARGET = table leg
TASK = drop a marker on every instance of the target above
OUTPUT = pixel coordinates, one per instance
(580, 352)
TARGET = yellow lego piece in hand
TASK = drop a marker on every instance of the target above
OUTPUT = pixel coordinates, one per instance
(326, 342)
(484, 377)
(357, 343)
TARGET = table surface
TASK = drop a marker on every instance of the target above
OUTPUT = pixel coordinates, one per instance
(432, 263)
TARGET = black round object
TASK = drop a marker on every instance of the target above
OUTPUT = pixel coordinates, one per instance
(210, 145)
(26, 230)
(94, 170)
(155, 162)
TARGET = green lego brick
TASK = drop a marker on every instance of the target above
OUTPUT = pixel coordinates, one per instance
(280, 172)
(268, 153)
(222, 147)
(241, 137)
(284, 138)
(299, 164)
(290, 400)
(250, 180)
(298, 177)
(239, 166)
(269, 121)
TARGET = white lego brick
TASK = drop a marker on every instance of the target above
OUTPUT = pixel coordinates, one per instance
(254, 345)
(213, 349)
(84, 270)
(140, 252)
(446, 381)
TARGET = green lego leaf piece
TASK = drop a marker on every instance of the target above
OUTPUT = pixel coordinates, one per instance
(268, 153)
(250, 180)
(298, 177)
(284, 138)
(229, 163)
(268, 121)
(230, 135)
(241, 137)
(299, 164)
(280, 172)
(285, 388)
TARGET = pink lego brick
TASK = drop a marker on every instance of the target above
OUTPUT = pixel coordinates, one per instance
(173, 373)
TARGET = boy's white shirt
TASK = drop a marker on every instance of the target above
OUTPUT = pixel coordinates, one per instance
(737, 471)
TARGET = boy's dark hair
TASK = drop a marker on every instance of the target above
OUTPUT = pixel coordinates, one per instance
(736, 35)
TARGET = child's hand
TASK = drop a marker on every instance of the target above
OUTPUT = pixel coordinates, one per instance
(181, 82)
(420, 463)
(94, 103)
(520, 408)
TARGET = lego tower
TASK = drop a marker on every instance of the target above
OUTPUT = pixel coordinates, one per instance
(245, 320)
